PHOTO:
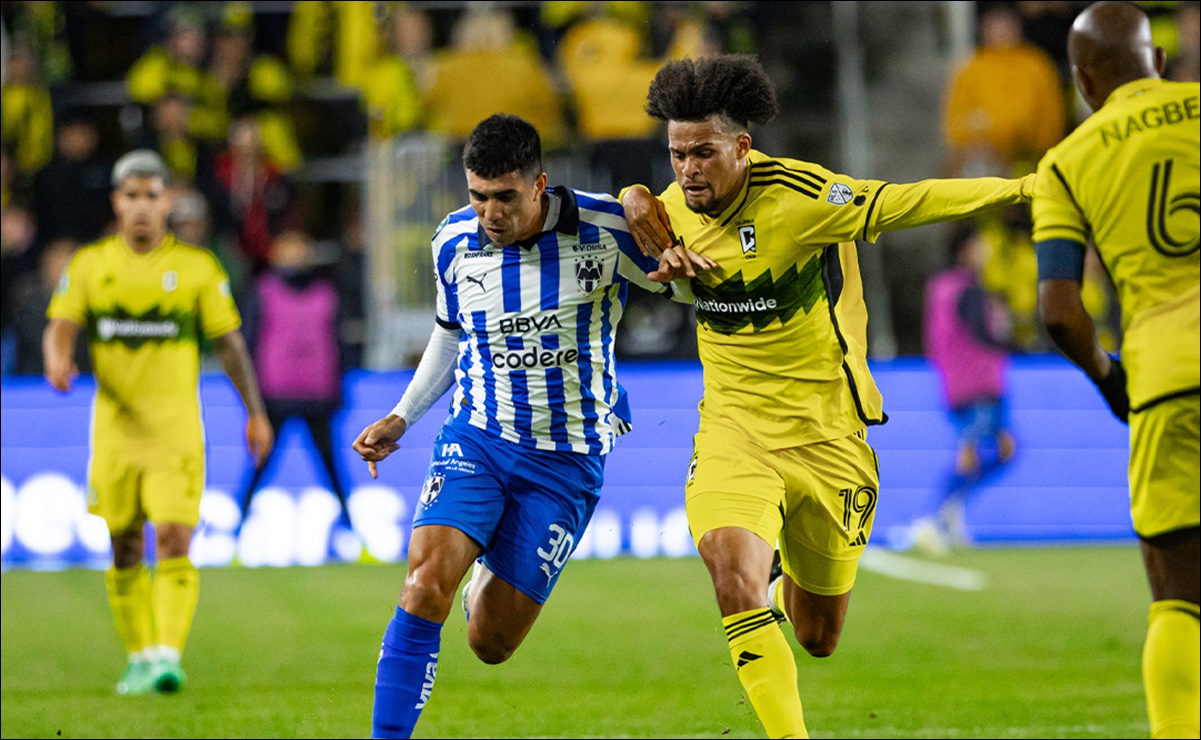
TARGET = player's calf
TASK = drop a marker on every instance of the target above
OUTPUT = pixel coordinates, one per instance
(501, 617)
(817, 619)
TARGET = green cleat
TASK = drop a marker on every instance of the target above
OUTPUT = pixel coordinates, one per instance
(169, 676)
(138, 679)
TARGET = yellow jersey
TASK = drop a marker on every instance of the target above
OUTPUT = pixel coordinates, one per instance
(144, 315)
(781, 322)
(1128, 179)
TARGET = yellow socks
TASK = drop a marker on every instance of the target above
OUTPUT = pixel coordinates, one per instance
(1170, 668)
(129, 597)
(176, 588)
(767, 670)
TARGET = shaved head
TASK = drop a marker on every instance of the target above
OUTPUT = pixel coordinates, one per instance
(1110, 45)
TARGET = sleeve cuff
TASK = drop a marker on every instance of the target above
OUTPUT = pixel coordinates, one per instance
(1060, 259)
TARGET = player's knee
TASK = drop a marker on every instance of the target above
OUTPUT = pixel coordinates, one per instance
(425, 593)
(173, 540)
(737, 593)
(127, 550)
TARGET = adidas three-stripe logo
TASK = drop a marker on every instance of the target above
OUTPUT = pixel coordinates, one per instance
(747, 657)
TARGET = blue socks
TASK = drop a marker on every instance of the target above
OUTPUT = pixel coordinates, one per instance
(405, 674)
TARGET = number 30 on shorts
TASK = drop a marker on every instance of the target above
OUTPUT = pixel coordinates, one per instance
(858, 504)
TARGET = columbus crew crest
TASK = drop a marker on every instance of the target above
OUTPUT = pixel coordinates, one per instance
(588, 274)
(431, 489)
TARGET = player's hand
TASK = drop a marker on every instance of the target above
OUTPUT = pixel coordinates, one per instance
(260, 438)
(1113, 390)
(379, 440)
(647, 221)
(61, 374)
(680, 262)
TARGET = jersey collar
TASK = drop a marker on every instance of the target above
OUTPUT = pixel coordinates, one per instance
(562, 215)
(1133, 88)
(167, 240)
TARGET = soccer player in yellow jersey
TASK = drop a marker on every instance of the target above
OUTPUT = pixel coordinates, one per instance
(781, 454)
(145, 299)
(1128, 180)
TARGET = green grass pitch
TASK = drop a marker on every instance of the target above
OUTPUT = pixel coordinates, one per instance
(625, 648)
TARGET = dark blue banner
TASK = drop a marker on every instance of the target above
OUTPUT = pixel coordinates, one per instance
(1068, 481)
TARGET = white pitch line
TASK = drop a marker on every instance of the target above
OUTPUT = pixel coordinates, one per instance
(879, 560)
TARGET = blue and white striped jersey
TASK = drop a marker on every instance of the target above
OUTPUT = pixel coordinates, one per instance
(537, 320)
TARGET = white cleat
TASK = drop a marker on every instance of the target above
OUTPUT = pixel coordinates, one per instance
(476, 570)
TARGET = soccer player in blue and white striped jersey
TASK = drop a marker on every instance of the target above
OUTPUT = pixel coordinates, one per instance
(531, 286)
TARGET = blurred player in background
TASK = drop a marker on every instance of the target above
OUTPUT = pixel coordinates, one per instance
(781, 455)
(531, 285)
(1127, 178)
(966, 337)
(145, 299)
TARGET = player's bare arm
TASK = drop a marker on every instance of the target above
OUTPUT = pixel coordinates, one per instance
(58, 345)
(379, 440)
(647, 220)
(235, 359)
(1072, 330)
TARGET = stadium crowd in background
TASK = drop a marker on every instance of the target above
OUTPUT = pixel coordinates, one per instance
(206, 84)
(216, 89)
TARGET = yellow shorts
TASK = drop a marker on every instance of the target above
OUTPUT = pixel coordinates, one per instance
(1164, 477)
(128, 492)
(818, 500)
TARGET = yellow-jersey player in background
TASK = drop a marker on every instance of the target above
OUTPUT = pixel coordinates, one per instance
(781, 455)
(145, 300)
(1128, 179)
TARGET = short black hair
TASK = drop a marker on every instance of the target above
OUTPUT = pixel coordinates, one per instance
(503, 143)
(733, 86)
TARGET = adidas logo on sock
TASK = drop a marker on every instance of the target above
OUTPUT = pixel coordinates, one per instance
(747, 657)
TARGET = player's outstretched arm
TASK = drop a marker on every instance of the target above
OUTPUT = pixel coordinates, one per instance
(379, 440)
(937, 201)
(58, 353)
(235, 358)
(1071, 328)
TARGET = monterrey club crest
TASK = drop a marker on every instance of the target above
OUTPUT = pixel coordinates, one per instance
(588, 272)
(431, 489)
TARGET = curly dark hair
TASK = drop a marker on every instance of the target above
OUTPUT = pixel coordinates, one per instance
(503, 143)
(734, 86)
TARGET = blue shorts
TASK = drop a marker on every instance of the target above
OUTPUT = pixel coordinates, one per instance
(527, 508)
(980, 420)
